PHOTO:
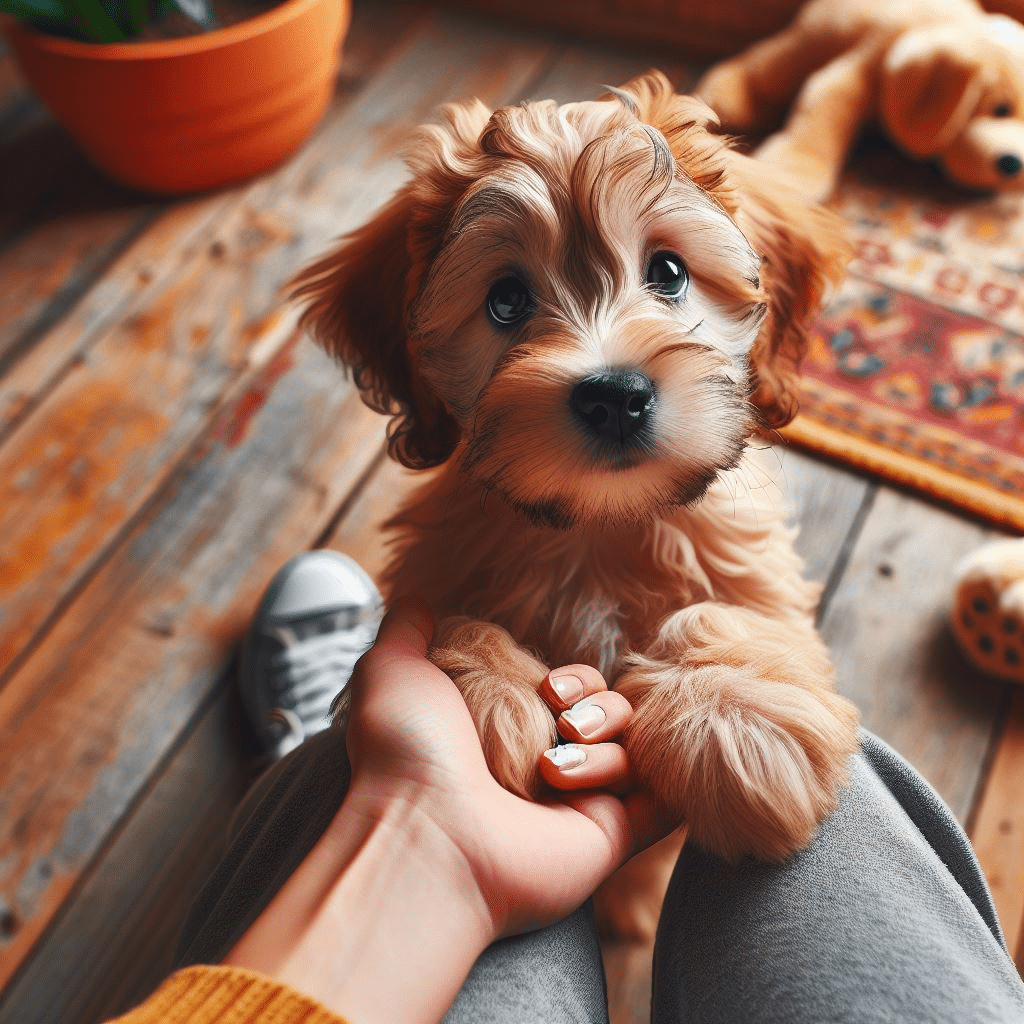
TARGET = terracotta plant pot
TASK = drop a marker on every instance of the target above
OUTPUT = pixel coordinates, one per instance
(183, 115)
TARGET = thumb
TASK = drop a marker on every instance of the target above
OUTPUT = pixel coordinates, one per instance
(407, 629)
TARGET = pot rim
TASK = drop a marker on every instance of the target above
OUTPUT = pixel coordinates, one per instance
(155, 49)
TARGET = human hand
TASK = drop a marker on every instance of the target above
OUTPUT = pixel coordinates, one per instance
(411, 738)
(428, 860)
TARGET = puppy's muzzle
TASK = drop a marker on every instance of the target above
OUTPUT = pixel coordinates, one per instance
(614, 406)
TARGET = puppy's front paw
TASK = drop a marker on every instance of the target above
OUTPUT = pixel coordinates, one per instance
(499, 681)
(750, 764)
(988, 608)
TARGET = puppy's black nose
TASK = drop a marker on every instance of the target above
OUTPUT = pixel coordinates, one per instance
(1009, 164)
(614, 405)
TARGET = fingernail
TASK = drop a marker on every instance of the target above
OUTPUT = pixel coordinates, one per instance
(586, 718)
(566, 755)
(568, 687)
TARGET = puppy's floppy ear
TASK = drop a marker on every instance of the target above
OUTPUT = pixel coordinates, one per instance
(359, 295)
(933, 79)
(357, 310)
(804, 249)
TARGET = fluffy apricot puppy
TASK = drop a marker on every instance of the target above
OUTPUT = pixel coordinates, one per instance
(580, 314)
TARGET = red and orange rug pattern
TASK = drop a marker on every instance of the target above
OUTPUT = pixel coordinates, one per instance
(916, 369)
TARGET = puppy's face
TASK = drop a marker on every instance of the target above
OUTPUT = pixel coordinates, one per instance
(580, 318)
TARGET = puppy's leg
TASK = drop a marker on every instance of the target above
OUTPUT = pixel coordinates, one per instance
(738, 729)
(499, 681)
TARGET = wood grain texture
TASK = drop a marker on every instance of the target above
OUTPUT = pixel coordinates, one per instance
(100, 704)
(997, 828)
(886, 627)
(113, 944)
(358, 533)
(142, 276)
(166, 441)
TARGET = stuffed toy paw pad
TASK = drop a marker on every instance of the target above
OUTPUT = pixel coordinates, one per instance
(988, 608)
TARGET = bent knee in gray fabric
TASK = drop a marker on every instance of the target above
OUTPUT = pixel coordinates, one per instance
(552, 975)
(884, 918)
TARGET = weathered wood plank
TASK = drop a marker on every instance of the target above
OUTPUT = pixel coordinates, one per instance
(699, 30)
(358, 533)
(98, 704)
(826, 503)
(60, 221)
(113, 944)
(94, 449)
(154, 263)
(886, 627)
(997, 828)
(584, 71)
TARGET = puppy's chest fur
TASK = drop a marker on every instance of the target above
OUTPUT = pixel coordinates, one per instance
(591, 595)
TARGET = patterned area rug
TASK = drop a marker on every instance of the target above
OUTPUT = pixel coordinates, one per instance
(916, 369)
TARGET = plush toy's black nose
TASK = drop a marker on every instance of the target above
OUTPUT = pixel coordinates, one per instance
(614, 405)
(1009, 164)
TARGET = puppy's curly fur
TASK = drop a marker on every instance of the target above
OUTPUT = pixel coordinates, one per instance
(538, 249)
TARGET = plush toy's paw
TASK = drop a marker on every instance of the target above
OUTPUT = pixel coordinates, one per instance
(988, 609)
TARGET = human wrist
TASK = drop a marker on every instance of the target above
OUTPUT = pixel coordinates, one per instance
(394, 916)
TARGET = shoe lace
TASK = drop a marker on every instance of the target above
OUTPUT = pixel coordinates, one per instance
(310, 670)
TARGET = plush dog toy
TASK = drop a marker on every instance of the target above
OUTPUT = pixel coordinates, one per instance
(944, 80)
(988, 608)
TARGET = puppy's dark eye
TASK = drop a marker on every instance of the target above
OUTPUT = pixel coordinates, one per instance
(1002, 110)
(509, 301)
(667, 275)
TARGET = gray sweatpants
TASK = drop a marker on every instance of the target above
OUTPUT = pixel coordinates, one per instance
(884, 918)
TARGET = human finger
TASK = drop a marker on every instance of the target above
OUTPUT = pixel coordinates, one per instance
(596, 719)
(571, 766)
(407, 628)
(562, 687)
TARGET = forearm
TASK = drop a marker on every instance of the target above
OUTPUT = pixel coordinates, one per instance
(392, 925)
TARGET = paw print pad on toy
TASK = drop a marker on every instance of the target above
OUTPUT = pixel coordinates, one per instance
(988, 609)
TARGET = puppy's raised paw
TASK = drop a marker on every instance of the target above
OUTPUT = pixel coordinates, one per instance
(751, 765)
(498, 680)
(988, 608)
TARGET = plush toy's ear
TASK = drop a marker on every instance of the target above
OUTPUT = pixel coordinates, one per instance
(804, 249)
(358, 296)
(932, 82)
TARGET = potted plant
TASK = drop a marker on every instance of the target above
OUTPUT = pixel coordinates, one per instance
(173, 96)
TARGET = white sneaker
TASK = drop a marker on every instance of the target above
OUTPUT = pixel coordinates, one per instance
(318, 615)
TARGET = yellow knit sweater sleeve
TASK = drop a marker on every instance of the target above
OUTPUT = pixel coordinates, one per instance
(226, 995)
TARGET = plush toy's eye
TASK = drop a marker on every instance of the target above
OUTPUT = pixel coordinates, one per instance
(509, 301)
(666, 275)
(1002, 110)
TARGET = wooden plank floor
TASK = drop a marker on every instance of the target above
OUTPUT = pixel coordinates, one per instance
(167, 440)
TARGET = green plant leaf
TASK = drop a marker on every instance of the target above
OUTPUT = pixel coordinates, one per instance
(93, 22)
(137, 15)
(200, 11)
